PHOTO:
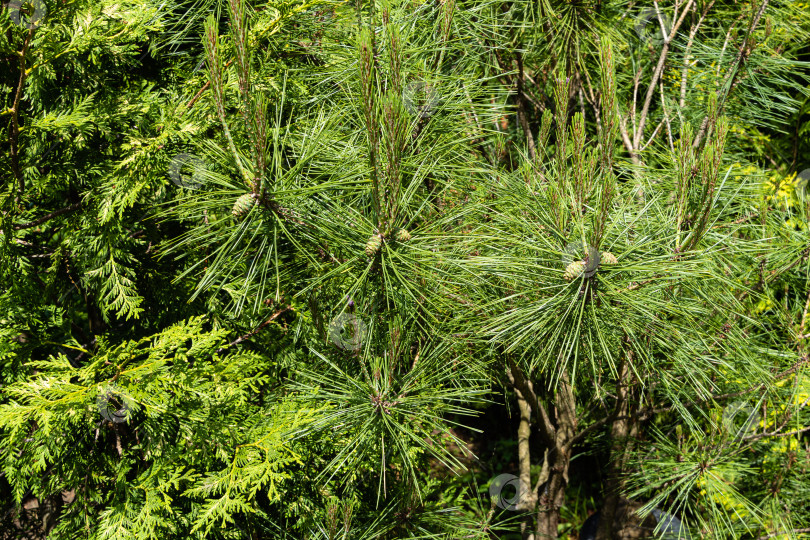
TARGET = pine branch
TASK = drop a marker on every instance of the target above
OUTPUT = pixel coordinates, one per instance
(742, 54)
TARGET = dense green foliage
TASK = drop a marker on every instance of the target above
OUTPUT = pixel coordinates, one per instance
(319, 269)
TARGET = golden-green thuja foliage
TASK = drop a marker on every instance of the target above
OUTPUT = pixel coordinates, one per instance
(173, 413)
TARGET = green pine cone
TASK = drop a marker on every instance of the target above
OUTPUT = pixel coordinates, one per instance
(373, 245)
(574, 270)
(243, 204)
(403, 235)
(607, 257)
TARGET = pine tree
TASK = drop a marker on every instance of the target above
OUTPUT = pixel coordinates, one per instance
(264, 264)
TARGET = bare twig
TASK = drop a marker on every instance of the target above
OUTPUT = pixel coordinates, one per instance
(776, 434)
(205, 87)
(794, 531)
(725, 43)
(628, 144)
(14, 136)
(659, 68)
(654, 133)
(48, 217)
(685, 70)
(519, 382)
(636, 82)
(253, 332)
(666, 117)
(742, 53)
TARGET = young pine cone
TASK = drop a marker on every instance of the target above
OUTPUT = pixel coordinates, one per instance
(574, 270)
(403, 235)
(373, 245)
(607, 257)
(243, 204)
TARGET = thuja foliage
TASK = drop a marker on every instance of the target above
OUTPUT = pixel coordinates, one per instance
(269, 268)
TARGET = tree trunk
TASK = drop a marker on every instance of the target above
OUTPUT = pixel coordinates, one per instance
(622, 431)
(525, 462)
(550, 502)
(557, 432)
(50, 509)
(526, 497)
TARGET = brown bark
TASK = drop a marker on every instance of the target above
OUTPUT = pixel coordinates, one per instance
(550, 502)
(623, 429)
(525, 464)
(558, 432)
(50, 510)
(527, 499)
